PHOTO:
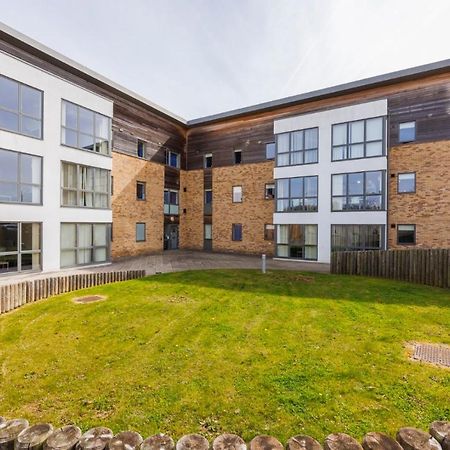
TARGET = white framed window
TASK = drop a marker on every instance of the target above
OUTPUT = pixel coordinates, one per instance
(407, 131)
(406, 183)
(172, 159)
(141, 232)
(237, 194)
(207, 161)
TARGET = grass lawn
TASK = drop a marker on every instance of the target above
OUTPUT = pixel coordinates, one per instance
(237, 351)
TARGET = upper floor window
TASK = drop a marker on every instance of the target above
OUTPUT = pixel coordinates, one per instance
(85, 129)
(237, 156)
(406, 183)
(20, 108)
(270, 150)
(237, 194)
(358, 191)
(84, 186)
(208, 201)
(20, 177)
(207, 163)
(297, 194)
(172, 159)
(406, 131)
(269, 192)
(358, 139)
(171, 204)
(298, 147)
(140, 149)
(140, 190)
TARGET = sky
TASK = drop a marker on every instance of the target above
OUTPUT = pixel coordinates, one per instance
(200, 57)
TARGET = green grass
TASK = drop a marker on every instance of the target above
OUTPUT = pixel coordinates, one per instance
(233, 351)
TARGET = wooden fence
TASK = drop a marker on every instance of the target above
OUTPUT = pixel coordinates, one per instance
(424, 266)
(14, 295)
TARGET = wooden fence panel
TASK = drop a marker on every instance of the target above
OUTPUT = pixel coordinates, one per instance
(424, 266)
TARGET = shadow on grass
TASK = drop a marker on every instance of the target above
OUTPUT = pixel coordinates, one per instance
(308, 285)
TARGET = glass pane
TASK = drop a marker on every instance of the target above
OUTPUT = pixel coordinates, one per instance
(355, 203)
(84, 256)
(297, 158)
(69, 115)
(357, 131)
(374, 182)
(86, 142)
(174, 158)
(282, 234)
(355, 183)
(101, 201)
(311, 252)
(283, 143)
(9, 94)
(310, 204)
(8, 237)
(407, 131)
(406, 234)
(283, 188)
(297, 140)
(8, 192)
(31, 261)
(69, 137)
(8, 166)
(237, 194)
(296, 251)
(30, 169)
(296, 204)
(102, 126)
(338, 203)
(86, 121)
(374, 149)
(296, 187)
(68, 258)
(339, 185)
(100, 254)
(140, 232)
(296, 235)
(374, 129)
(406, 182)
(340, 134)
(166, 208)
(374, 202)
(102, 146)
(69, 198)
(283, 159)
(100, 234)
(101, 182)
(283, 251)
(339, 153)
(30, 193)
(282, 205)
(310, 186)
(31, 102)
(84, 235)
(373, 237)
(356, 151)
(68, 235)
(208, 197)
(8, 263)
(270, 150)
(86, 199)
(9, 120)
(31, 127)
(311, 156)
(311, 138)
(208, 231)
(86, 178)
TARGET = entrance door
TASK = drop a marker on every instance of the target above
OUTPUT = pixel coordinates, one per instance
(171, 237)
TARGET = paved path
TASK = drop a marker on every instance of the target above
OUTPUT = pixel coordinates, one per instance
(175, 261)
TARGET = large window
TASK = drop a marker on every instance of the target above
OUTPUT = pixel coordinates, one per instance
(172, 159)
(20, 247)
(20, 177)
(297, 194)
(85, 129)
(298, 147)
(297, 241)
(84, 186)
(84, 243)
(357, 237)
(361, 191)
(171, 204)
(20, 108)
(406, 183)
(358, 139)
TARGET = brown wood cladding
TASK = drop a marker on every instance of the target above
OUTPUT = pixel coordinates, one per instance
(428, 106)
(171, 178)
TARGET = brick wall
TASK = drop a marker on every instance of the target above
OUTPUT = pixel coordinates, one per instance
(191, 223)
(429, 207)
(127, 211)
(252, 213)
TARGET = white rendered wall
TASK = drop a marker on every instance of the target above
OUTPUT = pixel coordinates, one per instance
(51, 214)
(325, 168)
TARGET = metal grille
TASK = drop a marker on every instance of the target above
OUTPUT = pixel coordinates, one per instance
(432, 353)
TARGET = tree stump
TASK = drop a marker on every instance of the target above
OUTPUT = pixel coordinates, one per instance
(302, 442)
(229, 441)
(64, 438)
(158, 442)
(341, 441)
(9, 430)
(34, 437)
(126, 440)
(2, 420)
(414, 439)
(440, 430)
(446, 443)
(192, 442)
(379, 441)
(95, 439)
(264, 442)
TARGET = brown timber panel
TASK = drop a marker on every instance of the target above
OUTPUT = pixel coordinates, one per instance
(424, 266)
(171, 178)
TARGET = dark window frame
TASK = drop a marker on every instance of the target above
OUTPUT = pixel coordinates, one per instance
(173, 209)
(291, 152)
(414, 235)
(143, 144)
(274, 151)
(407, 141)
(169, 154)
(398, 183)
(266, 230)
(360, 226)
(288, 245)
(234, 227)
(268, 197)
(207, 207)
(144, 187)
(237, 161)
(206, 157)
(348, 145)
(289, 198)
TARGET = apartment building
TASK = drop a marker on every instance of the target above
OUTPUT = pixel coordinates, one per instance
(90, 171)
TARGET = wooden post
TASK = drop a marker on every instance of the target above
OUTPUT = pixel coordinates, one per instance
(9, 431)
(341, 441)
(228, 441)
(440, 429)
(302, 442)
(414, 439)
(64, 438)
(192, 442)
(264, 442)
(95, 439)
(158, 442)
(126, 440)
(377, 441)
(34, 437)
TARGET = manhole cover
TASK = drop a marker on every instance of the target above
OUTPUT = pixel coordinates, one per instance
(89, 299)
(432, 353)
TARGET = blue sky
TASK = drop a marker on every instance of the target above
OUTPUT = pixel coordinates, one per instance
(199, 57)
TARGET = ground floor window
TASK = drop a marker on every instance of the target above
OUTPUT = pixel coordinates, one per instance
(20, 246)
(236, 232)
(357, 237)
(269, 231)
(84, 243)
(406, 234)
(297, 241)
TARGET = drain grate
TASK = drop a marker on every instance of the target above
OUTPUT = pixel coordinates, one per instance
(432, 353)
(89, 299)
